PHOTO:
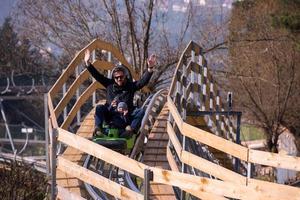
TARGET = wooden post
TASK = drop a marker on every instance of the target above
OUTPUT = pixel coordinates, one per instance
(53, 164)
(148, 176)
(46, 133)
(199, 82)
(94, 93)
(78, 95)
(238, 140)
(64, 93)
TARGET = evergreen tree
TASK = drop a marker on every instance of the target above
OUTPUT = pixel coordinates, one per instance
(8, 43)
(18, 54)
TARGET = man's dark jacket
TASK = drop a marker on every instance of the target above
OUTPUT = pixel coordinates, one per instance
(121, 93)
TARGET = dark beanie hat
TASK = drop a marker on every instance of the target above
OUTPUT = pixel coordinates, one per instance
(122, 105)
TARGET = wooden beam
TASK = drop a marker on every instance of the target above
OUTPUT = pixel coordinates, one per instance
(171, 160)
(174, 112)
(130, 165)
(96, 180)
(51, 112)
(201, 195)
(202, 164)
(103, 65)
(274, 159)
(174, 80)
(183, 181)
(274, 190)
(200, 184)
(212, 168)
(263, 190)
(174, 139)
(84, 75)
(82, 99)
(63, 193)
(214, 141)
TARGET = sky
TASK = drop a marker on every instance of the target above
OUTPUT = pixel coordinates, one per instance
(5, 8)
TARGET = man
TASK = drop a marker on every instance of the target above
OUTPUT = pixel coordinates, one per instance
(119, 89)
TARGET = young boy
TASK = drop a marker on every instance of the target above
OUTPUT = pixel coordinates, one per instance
(119, 118)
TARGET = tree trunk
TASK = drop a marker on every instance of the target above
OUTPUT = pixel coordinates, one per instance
(272, 139)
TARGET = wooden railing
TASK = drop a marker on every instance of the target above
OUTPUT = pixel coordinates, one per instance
(179, 101)
(231, 185)
(193, 88)
(201, 187)
(81, 87)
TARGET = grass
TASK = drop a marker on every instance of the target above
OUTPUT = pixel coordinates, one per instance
(249, 132)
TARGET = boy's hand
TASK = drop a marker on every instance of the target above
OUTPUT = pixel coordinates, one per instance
(114, 103)
(125, 112)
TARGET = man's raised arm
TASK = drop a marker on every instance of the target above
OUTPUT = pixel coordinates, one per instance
(148, 74)
(94, 72)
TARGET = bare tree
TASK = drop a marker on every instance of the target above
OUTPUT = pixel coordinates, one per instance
(265, 71)
(137, 28)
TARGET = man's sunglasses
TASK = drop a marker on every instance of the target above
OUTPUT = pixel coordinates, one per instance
(119, 77)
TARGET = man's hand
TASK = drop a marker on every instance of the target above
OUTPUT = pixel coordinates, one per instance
(125, 112)
(87, 56)
(151, 62)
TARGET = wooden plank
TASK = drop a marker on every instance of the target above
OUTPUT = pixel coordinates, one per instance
(71, 92)
(212, 168)
(89, 123)
(274, 190)
(174, 112)
(223, 188)
(97, 180)
(201, 195)
(158, 129)
(157, 157)
(155, 151)
(82, 99)
(171, 160)
(206, 195)
(154, 136)
(174, 139)
(214, 141)
(103, 65)
(63, 193)
(86, 129)
(161, 123)
(274, 160)
(101, 152)
(199, 185)
(51, 112)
